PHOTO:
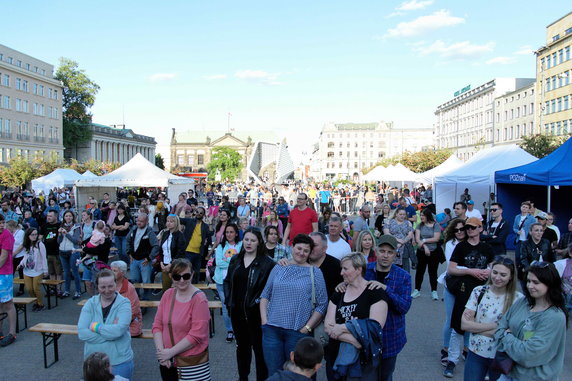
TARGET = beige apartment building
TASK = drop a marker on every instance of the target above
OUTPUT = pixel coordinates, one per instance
(514, 115)
(553, 82)
(30, 108)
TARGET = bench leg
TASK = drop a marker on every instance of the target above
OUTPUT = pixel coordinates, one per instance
(21, 308)
(51, 290)
(211, 324)
(49, 338)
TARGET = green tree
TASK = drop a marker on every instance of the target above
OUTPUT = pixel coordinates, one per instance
(225, 161)
(159, 162)
(18, 173)
(78, 96)
(541, 145)
(45, 166)
(425, 160)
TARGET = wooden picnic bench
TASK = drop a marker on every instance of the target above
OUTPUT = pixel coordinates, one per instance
(52, 332)
(213, 305)
(50, 286)
(21, 308)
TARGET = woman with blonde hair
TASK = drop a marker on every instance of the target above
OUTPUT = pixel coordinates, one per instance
(172, 247)
(365, 243)
(273, 220)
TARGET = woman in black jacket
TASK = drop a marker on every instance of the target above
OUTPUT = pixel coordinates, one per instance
(172, 247)
(531, 250)
(247, 274)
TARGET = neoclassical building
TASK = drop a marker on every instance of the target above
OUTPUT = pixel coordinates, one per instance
(109, 143)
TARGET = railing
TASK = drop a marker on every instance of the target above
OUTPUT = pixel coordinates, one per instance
(22, 137)
(39, 139)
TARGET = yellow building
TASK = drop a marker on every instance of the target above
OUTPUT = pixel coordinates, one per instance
(553, 79)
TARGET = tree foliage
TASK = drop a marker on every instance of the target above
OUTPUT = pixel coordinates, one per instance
(18, 173)
(78, 96)
(225, 161)
(159, 162)
(541, 145)
(416, 161)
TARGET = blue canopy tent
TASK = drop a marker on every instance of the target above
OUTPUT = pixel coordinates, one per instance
(548, 181)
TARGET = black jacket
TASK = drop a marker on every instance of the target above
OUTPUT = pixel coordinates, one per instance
(178, 244)
(190, 224)
(530, 252)
(257, 276)
(501, 234)
(148, 246)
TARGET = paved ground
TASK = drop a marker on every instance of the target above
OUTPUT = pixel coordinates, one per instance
(418, 361)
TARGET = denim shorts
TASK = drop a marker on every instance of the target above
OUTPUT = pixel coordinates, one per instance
(6, 288)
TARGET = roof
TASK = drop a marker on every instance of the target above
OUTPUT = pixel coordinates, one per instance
(125, 132)
(193, 136)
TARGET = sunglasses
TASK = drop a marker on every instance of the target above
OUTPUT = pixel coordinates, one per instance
(470, 227)
(185, 276)
(494, 209)
(539, 265)
(460, 230)
(503, 260)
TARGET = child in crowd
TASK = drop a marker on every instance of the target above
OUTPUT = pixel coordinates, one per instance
(97, 236)
(304, 362)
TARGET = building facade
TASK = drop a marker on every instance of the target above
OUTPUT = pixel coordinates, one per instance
(345, 150)
(109, 143)
(191, 151)
(514, 115)
(466, 122)
(30, 108)
(553, 82)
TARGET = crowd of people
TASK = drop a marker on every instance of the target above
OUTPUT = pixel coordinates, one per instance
(304, 272)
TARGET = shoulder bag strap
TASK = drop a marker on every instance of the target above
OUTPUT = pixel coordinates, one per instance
(169, 323)
(480, 297)
(313, 287)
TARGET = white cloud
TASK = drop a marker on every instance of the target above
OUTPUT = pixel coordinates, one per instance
(425, 24)
(215, 77)
(501, 61)
(162, 77)
(413, 5)
(258, 76)
(456, 51)
(524, 50)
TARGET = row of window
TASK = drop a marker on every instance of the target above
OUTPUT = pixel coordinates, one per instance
(515, 132)
(557, 81)
(20, 64)
(364, 145)
(469, 106)
(557, 105)
(190, 160)
(9, 153)
(22, 85)
(23, 131)
(331, 154)
(559, 128)
(346, 164)
(555, 58)
(22, 106)
(516, 96)
(362, 134)
(516, 112)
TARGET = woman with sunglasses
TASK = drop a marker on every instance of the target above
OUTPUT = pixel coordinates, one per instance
(533, 331)
(486, 306)
(181, 328)
(247, 274)
(454, 233)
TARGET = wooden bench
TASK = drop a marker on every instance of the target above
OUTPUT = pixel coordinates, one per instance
(50, 286)
(52, 332)
(213, 305)
(158, 286)
(21, 308)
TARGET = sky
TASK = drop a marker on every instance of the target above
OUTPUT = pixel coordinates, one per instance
(288, 66)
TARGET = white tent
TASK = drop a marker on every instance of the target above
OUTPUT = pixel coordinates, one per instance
(399, 172)
(477, 174)
(376, 174)
(59, 178)
(137, 172)
(89, 175)
(448, 165)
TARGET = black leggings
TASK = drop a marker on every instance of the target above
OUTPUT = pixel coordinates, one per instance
(248, 335)
(432, 263)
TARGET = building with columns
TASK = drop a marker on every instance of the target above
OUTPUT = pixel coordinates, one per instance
(109, 143)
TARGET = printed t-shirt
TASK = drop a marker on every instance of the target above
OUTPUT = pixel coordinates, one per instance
(357, 308)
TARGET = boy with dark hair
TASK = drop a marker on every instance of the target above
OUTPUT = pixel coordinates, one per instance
(304, 362)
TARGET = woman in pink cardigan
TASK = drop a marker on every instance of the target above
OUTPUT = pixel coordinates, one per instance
(181, 328)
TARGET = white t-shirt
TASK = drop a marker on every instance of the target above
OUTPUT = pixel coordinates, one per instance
(167, 258)
(18, 241)
(338, 249)
(474, 213)
(489, 311)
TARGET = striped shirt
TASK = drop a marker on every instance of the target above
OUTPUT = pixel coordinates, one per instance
(289, 291)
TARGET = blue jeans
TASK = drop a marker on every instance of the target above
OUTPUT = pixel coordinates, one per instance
(225, 317)
(386, 368)
(477, 367)
(125, 369)
(449, 304)
(121, 245)
(69, 259)
(195, 260)
(277, 343)
(141, 273)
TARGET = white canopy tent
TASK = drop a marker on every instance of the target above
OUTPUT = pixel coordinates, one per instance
(59, 178)
(477, 174)
(89, 175)
(376, 174)
(137, 172)
(453, 162)
(399, 172)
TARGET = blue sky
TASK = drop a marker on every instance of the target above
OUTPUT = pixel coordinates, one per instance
(286, 66)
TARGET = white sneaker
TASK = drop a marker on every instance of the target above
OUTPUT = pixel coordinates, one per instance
(434, 295)
(415, 294)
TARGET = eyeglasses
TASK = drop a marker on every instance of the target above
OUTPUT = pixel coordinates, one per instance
(494, 209)
(185, 276)
(539, 265)
(503, 260)
(460, 230)
(471, 227)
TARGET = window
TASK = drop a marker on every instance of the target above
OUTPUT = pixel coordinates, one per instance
(555, 38)
(330, 144)
(554, 59)
(55, 94)
(35, 91)
(561, 56)
(25, 106)
(565, 127)
(200, 159)
(531, 109)
(25, 85)
(567, 52)
(7, 128)
(42, 112)
(566, 97)
(181, 160)
(6, 80)
(19, 63)
(35, 109)
(524, 110)
(340, 154)
(18, 104)
(41, 90)
(18, 84)
(50, 92)
(10, 60)
(559, 107)
(6, 103)
(27, 66)
(548, 62)
(553, 82)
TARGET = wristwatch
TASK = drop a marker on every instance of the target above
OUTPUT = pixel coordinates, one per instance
(308, 328)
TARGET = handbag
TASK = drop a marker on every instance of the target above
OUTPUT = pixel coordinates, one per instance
(184, 361)
(319, 331)
(502, 363)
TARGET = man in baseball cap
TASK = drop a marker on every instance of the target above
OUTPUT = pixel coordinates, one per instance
(549, 234)
(472, 212)
(397, 284)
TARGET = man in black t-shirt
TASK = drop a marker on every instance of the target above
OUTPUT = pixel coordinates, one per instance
(549, 234)
(474, 256)
(49, 235)
(329, 265)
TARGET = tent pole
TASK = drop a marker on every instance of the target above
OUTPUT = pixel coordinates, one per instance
(548, 198)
